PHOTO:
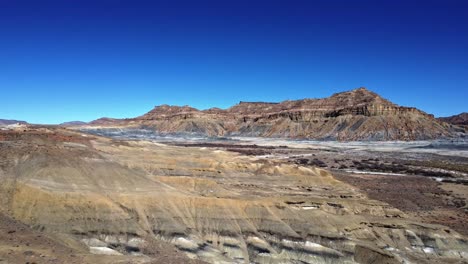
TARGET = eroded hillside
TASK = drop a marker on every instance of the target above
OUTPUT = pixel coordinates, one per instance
(115, 197)
(359, 114)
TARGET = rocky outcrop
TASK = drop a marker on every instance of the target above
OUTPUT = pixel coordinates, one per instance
(459, 120)
(167, 111)
(354, 115)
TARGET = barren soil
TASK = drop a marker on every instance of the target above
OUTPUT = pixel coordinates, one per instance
(72, 197)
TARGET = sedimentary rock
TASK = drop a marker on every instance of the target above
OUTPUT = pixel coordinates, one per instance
(460, 119)
(355, 115)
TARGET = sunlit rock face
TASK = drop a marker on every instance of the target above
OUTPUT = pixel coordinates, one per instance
(354, 115)
(460, 119)
(118, 197)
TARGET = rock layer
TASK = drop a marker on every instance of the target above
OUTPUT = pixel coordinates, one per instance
(355, 115)
(460, 119)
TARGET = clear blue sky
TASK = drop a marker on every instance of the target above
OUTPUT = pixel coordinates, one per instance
(81, 60)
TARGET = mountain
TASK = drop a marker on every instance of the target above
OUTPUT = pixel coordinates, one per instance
(74, 123)
(105, 121)
(460, 119)
(359, 114)
(5, 122)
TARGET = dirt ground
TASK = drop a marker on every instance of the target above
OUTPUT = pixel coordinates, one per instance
(289, 188)
(415, 191)
(20, 244)
(418, 196)
(23, 245)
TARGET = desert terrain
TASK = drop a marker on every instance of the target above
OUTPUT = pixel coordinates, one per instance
(233, 132)
(355, 115)
(71, 196)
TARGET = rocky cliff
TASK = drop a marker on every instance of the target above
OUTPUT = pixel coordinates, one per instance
(359, 114)
(460, 119)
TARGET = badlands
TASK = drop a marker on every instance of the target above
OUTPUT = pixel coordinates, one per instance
(67, 196)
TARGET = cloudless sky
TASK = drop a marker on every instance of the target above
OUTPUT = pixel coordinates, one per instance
(81, 60)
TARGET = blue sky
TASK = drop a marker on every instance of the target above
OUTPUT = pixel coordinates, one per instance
(81, 60)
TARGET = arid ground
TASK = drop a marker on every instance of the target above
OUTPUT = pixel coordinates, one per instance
(73, 197)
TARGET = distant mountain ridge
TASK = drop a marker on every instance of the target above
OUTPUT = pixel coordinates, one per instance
(460, 119)
(358, 114)
(4, 122)
(73, 123)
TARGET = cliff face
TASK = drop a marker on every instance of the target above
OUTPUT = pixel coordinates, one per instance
(459, 120)
(354, 115)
